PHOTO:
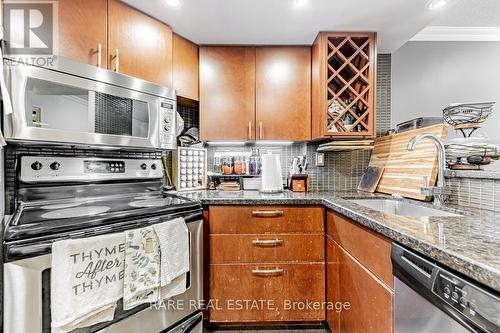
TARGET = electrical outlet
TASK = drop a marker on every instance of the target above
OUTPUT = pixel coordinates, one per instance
(320, 159)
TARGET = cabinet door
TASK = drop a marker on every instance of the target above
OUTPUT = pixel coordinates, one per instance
(185, 67)
(82, 27)
(227, 93)
(267, 292)
(332, 283)
(144, 44)
(370, 301)
(283, 93)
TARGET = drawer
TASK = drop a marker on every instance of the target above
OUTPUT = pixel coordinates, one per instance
(266, 219)
(371, 249)
(263, 290)
(226, 249)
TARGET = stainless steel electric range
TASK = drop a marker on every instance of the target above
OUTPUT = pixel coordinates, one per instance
(74, 197)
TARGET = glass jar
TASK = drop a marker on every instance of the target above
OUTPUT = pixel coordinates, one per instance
(254, 165)
(239, 165)
(227, 165)
(217, 165)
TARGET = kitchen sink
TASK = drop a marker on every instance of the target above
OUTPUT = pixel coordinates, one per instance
(402, 208)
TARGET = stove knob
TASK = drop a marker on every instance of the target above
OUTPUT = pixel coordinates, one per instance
(144, 166)
(55, 166)
(36, 166)
(153, 166)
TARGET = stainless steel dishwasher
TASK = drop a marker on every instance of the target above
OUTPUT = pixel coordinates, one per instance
(431, 298)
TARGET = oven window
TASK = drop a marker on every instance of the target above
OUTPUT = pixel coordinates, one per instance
(56, 106)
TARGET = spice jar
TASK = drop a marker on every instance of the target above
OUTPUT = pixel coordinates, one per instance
(227, 165)
(217, 164)
(239, 165)
(254, 165)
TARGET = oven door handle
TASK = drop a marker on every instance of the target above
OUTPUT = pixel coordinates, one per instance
(23, 250)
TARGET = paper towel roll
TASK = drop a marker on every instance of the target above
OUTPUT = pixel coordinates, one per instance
(272, 180)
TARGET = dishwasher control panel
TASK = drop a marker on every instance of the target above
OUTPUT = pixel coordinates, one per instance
(480, 306)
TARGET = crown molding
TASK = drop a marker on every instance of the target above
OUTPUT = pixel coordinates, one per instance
(463, 34)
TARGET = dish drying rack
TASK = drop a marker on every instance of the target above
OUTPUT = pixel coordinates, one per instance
(467, 116)
(459, 155)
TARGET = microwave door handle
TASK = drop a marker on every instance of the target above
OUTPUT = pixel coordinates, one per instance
(7, 103)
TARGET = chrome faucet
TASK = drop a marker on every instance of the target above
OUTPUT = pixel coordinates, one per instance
(436, 191)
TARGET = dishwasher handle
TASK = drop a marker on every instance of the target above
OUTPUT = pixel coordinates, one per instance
(407, 265)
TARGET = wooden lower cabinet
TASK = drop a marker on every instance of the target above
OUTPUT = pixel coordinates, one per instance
(266, 219)
(266, 248)
(266, 264)
(332, 282)
(366, 301)
(253, 293)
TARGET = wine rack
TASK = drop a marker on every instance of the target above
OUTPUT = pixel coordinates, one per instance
(344, 89)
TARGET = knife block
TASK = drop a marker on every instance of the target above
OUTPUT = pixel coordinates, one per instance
(297, 183)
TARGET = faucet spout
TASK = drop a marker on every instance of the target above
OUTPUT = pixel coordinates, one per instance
(438, 190)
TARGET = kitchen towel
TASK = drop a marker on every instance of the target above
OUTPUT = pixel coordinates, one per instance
(156, 263)
(142, 268)
(173, 237)
(86, 280)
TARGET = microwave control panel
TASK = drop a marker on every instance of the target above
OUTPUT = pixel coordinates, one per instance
(168, 128)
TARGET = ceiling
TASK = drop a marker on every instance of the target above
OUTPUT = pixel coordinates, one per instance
(280, 22)
(470, 13)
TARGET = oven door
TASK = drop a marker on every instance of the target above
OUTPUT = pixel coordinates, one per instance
(56, 107)
(27, 299)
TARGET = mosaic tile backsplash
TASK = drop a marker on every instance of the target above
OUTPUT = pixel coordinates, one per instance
(479, 193)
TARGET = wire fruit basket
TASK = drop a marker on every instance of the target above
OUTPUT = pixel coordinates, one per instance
(468, 115)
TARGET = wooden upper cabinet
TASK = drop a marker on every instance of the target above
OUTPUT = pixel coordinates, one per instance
(82, 27)
(343, 85)
(185, 67)
(283, 93)
(227, 93)
(144, 44)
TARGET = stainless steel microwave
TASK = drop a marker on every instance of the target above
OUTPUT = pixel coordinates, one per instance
(71, 103)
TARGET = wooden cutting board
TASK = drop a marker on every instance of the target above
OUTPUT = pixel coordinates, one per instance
(405, 170)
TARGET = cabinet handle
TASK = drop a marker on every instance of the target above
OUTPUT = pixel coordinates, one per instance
(99, 55)
(267, 213)
(268, 272)
(269, 242)
(117, 60)
(249, 130)
(261, 136)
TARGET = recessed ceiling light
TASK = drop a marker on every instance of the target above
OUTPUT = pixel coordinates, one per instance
(173, 3)
(435, 4)
(300, 3)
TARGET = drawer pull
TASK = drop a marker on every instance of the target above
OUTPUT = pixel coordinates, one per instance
(267, 213)
(268, 272)
(270, 242)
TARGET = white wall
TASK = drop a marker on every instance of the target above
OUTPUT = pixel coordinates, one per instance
(427, 76)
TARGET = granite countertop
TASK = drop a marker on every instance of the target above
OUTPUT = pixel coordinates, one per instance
(469, 244)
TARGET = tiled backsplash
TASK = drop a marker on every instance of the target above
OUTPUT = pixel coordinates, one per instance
(480, 193)
(286, 152)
